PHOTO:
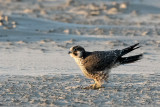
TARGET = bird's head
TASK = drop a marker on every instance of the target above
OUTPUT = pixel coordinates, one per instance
(77, 52)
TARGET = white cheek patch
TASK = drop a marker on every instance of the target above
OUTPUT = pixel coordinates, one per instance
(79, 54)
(71, 55)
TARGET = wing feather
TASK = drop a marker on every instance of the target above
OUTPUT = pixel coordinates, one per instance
(100, 60)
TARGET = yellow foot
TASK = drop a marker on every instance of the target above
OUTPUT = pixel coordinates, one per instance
(94, 86)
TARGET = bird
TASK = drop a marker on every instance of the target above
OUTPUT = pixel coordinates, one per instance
(97, 65)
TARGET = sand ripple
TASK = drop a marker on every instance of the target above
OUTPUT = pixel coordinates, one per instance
(63, 90)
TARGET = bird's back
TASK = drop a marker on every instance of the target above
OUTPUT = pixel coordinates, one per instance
(100, 60)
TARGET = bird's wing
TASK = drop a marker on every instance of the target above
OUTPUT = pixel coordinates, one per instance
(100, 60)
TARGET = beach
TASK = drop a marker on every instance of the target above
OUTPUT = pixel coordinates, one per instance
(35, 37)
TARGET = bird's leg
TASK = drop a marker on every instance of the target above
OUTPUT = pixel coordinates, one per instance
(97, 85)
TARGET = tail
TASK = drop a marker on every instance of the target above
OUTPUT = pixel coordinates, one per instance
(129, 49)
(130, 59)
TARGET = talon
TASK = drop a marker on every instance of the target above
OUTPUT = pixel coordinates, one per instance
(93, 86)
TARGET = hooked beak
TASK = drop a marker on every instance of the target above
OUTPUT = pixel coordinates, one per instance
(69, 52)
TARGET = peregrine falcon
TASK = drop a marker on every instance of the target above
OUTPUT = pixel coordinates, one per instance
(97, 65)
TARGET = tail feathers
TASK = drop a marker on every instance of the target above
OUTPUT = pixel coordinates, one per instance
(129, 49)
(130, 59)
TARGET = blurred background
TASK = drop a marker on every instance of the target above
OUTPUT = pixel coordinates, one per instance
(37, 34)
(123, 17)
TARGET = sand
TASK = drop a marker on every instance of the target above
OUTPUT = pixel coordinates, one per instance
(35, 36)
(65, 90)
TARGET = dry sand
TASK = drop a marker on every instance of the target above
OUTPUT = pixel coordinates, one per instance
(64, 90)
(35, 36)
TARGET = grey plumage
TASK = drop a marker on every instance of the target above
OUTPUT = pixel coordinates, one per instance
(96, 65)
